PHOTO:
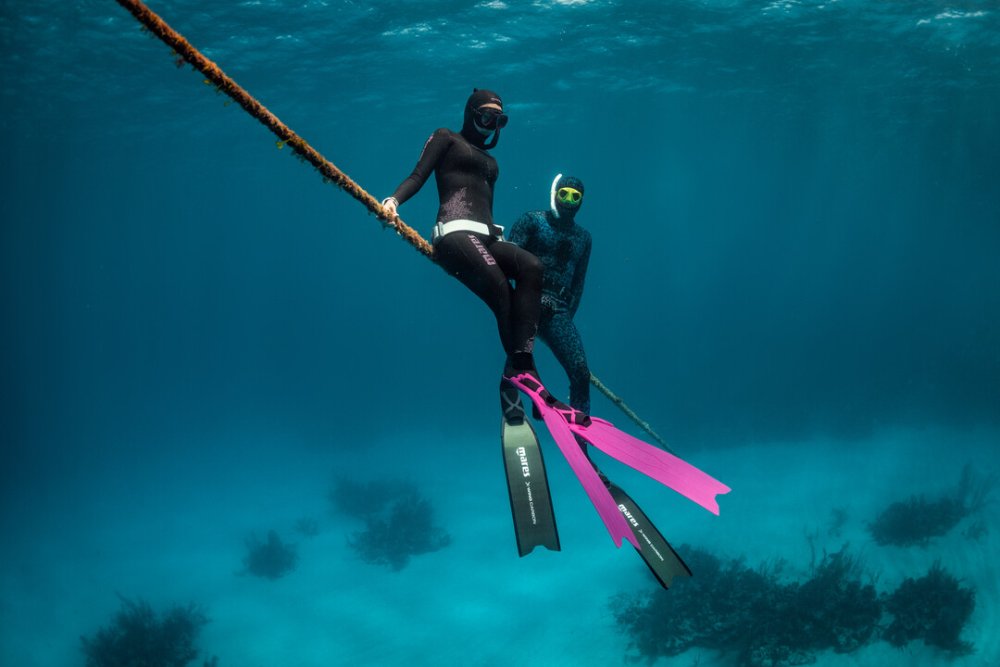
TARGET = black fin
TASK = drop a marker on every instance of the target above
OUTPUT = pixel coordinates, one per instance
(661, 558)
(528, 486)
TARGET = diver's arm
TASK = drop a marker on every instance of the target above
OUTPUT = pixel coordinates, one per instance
(522, 230)
(580, 275)
(434, 148)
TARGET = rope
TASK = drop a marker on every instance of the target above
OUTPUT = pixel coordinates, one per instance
(222, 82)
(617, 400)
(214, 75)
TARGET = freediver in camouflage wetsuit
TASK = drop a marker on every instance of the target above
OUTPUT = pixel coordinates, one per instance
(563, 247)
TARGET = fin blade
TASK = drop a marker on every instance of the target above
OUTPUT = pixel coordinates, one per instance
(528, 488)
(656, 552)
(605, 505)
(676, 473)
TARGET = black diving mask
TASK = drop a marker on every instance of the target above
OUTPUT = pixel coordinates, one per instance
(489, 118)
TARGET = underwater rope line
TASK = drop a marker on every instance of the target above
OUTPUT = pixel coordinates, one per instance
(214, 75)
(617, 400)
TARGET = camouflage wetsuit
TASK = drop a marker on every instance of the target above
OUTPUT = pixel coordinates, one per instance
(564, 250)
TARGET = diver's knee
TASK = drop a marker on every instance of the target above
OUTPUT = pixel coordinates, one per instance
(501, 298)
(530, 270)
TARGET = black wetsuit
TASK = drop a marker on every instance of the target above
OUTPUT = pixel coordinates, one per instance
(564, 250)
(485, 263)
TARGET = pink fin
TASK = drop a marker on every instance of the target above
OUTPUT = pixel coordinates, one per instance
(662, 466)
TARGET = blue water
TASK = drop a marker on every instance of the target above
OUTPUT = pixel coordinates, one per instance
(796, 226)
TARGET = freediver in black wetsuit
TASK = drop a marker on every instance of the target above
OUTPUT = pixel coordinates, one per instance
(466, 242)
(563, 247)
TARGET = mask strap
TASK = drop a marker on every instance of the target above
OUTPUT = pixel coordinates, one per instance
(552, 199)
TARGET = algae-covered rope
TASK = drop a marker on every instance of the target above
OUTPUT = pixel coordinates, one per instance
(222, 82)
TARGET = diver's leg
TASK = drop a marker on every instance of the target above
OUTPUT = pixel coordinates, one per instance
(465, 256)
(525, 270)
(561, 335)
(556, 328)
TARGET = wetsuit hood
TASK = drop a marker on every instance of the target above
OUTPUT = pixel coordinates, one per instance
(472, 132)
(560, 210)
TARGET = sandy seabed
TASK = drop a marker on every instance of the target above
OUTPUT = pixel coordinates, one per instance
(172, 531)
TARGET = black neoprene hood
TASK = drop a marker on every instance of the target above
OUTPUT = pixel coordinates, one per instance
(478, 98)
